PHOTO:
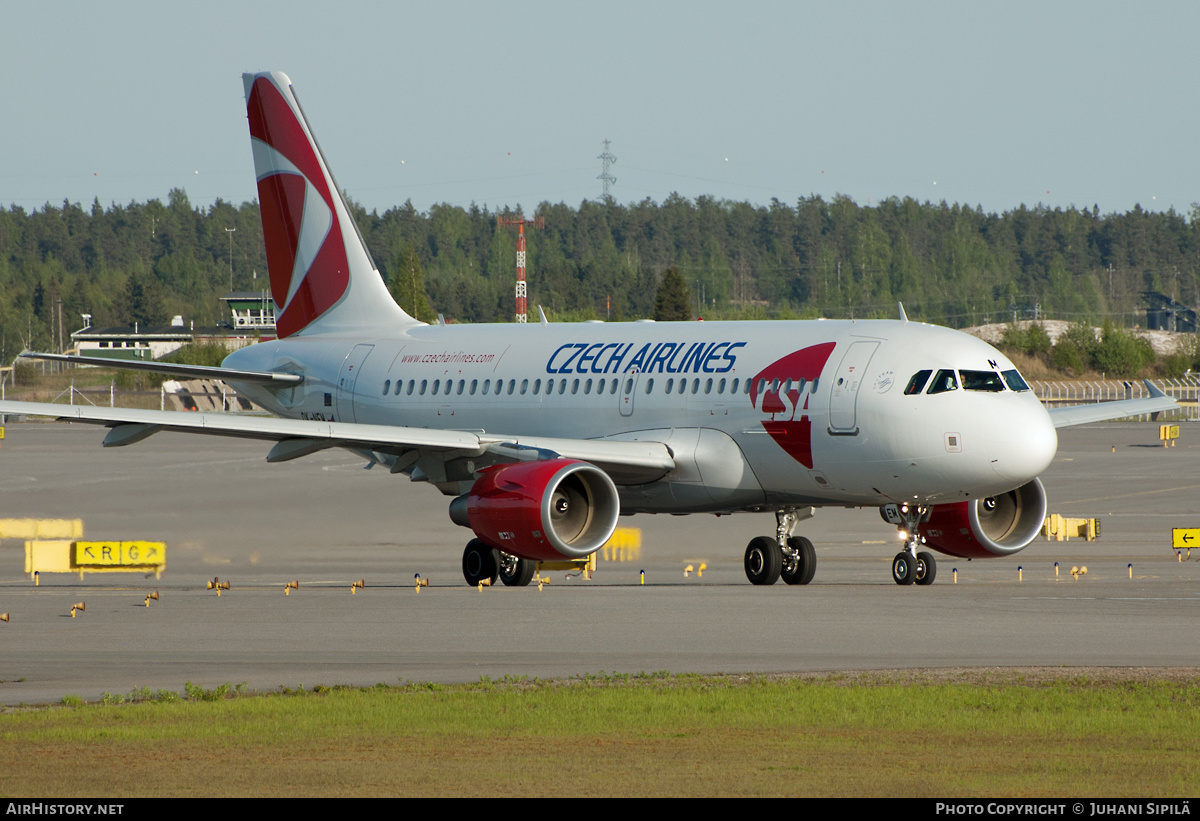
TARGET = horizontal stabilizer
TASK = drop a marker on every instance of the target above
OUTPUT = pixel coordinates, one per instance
(188, 371)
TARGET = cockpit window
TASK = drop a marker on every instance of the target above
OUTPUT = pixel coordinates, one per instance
(944, 381)
(1014, 380)
(981, 381)
(917, 383)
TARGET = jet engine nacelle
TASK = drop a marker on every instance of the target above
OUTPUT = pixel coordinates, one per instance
(996, 526)
(546, 510)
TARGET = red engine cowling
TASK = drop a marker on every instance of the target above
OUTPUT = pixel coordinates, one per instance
(996, 526)
(546, 510)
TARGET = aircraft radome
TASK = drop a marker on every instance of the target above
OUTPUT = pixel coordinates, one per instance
(544, 433)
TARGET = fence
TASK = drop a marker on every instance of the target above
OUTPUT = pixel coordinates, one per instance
(1185, 390)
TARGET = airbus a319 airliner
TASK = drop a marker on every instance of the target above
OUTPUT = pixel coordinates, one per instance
(544, 433)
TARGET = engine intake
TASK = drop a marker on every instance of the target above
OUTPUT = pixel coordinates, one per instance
(995, 526)
(543, 510)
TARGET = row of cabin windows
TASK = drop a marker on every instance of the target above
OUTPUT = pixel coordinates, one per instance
(946, 380)
(694, 386)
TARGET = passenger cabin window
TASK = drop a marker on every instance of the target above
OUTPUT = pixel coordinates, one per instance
(944, 381)
(917, 383)
(1014, 380)
(981, 381)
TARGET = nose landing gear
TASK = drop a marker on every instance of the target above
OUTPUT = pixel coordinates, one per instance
(910, 566)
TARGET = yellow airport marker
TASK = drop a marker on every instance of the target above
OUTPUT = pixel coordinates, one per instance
(700, 572)
(216, 584)
(354, 586)
(687, 571)
(37, 578)
(1056, 570)
(643, 576)
(1131, 570)
(79, 606)
(289, 586)
(954, 573)
(4, 617)
(1019, 572)
(150, 596)
(483, 583)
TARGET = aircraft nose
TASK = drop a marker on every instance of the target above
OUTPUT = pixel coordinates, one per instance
(1022, 442)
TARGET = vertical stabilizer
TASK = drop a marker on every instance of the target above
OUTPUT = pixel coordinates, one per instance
(322, 277)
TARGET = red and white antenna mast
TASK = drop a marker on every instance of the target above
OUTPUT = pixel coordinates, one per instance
(520, 222)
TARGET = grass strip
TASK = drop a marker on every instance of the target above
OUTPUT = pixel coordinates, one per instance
(904, 734)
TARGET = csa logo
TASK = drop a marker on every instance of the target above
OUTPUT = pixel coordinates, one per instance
(306, 255)
(784, 399)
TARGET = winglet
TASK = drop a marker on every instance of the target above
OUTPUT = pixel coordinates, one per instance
(903, 316)
(1154, 392)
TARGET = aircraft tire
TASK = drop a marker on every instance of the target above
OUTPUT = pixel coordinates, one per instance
(904, 568)
(764, 560)
(480, 562)
(926, 568)
(522, 574)
(806, 565)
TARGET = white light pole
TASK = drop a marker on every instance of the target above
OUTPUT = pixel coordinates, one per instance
(230, 232)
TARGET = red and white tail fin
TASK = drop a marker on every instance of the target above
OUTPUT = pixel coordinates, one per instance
(322, 277)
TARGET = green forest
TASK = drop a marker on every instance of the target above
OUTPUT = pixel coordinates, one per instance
(949, 264)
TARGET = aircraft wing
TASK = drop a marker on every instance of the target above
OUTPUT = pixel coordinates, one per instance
(628, 462)
(1102, 411)
(186, 371)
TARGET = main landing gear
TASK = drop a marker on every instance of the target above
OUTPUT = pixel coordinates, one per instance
(481, 562)
(787, 557)
(910, 566)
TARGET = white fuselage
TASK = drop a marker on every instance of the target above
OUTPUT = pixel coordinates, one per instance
(841, 432)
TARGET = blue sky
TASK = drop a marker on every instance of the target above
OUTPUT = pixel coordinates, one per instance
(992, 104)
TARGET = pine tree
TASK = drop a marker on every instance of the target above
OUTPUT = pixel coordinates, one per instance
(407, 284)
(672, 302)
